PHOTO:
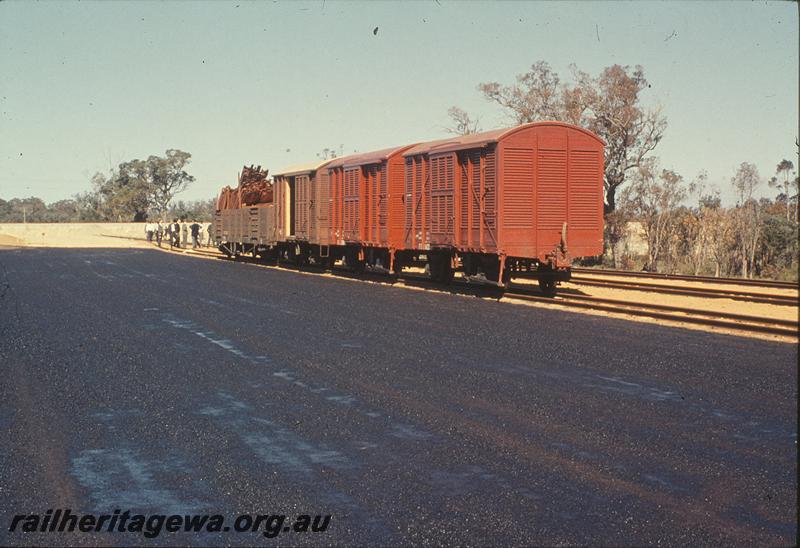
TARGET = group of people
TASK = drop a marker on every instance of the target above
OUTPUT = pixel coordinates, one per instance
(177, 233)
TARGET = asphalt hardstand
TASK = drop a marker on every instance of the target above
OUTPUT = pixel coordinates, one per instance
(164, 384)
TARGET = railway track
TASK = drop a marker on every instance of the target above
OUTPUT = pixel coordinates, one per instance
(727, 320)
(705, 292)
(703, 279)
(744, 323)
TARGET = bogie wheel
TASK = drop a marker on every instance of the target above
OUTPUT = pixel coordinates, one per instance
(492, 273)
(440, 268)
(433, 266)
(548, 286)
(471, 265)
(446, 272)
(352, 260)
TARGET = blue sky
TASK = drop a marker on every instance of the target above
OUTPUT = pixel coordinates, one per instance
(86, 85)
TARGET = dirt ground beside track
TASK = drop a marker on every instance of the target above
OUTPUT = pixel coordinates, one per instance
(690, 284)
(713, 304)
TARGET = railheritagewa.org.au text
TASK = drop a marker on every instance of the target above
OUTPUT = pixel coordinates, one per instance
(153, 525)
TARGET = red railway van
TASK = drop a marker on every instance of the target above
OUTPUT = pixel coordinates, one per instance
(372, 194)
(531, 192)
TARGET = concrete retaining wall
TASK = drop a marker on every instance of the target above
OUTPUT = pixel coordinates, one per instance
(72, 234)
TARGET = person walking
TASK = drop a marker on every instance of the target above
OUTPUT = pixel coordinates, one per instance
(176, 234)
(159, 232)
(149, 230)
(195, 228)
(208, 235)
(184, 233)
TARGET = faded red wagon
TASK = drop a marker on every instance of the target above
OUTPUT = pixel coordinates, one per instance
(302, 210)
(367, 193)
(527, 198)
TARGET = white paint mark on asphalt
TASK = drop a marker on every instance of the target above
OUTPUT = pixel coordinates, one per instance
(229, 407)
(103, 276)
(283, 374)
(398, 430)
(614, 379)
(364, 445)
(273, 443)
(232, 401)
(150, 309)
(277, 445)
(122, 478)
(343, 400)
(214, 339)
(222, 343)
(635, 389)
(281, 447)
(746, 430)
(113, 415)
(212, 411)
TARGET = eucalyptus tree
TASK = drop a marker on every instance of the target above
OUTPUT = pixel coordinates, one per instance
(609, 104)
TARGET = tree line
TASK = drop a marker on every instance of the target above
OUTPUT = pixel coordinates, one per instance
(82, 209)
(686, 228)
(136, 190)
(684, 225)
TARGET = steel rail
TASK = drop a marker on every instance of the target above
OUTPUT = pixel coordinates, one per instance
(783, 300)
(775, 284)
(794, 324)
(647, 311)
